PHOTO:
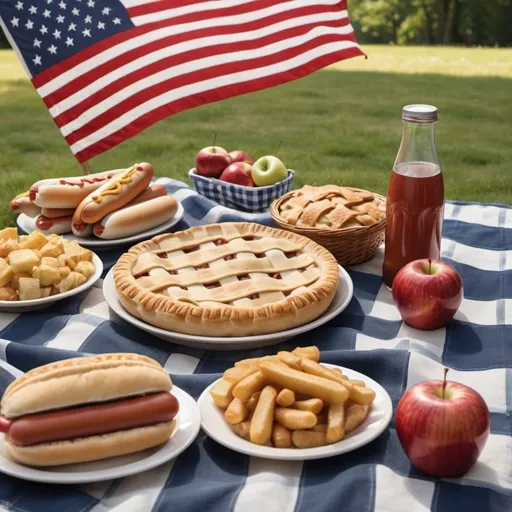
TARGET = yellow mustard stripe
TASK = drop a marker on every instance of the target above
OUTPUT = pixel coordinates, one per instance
(115, 188)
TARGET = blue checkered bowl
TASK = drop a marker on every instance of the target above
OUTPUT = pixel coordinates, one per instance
(248, 199)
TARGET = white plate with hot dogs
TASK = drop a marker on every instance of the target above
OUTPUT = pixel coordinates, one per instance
(101, 211)
(376, 421)
(188, 424)
(27, 224)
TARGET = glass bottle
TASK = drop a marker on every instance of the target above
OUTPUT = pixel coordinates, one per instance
(415, 200)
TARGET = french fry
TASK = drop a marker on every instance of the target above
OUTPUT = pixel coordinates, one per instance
(222, 393)
(238, 373)
(256, 360)
(357, 382)
(308, 352)
(281, 436)
(308, 439)
(314, 405)
(322, 427)
(354, 416)
(248, 386)
(285, 398)
(317, 369)
(310, 385)
(360, 395)
(242, 429)
(263, 416)
(236, 412)
(253, 401)
(289, 359)
(335, 423)
(294, 419)
(339, 371)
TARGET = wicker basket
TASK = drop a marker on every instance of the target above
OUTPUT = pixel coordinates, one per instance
(349, 245)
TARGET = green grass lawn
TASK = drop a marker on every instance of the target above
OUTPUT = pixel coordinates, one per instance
(341, 125)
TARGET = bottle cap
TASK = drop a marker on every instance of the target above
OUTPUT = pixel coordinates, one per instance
(419, 113)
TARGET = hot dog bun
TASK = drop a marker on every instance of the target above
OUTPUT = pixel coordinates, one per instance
(68, 192)
(57, 226)
(115, 194)
(22, 204)
(53, 213)
(86, 409)
(82, 381)
(136, 219)
(91, 448)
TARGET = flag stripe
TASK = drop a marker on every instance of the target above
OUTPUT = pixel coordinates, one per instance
(90, 147)
(184, 84)
(212, 41)
(107, 70)
(110, 49)
(175, 9)
(219, 8)
(185, 68)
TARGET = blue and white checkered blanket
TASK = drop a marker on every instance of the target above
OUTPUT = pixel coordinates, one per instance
(368, 337)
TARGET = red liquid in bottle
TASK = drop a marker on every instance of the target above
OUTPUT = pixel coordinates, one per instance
(414, 216)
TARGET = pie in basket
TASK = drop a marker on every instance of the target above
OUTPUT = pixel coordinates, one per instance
(230, 279)
(332, 207)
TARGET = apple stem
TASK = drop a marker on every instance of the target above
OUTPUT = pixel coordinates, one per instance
(444, 381)
(430, 266)
(278, 146)
(214, 138)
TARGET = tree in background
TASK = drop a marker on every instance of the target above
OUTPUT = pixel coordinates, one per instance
(470, 22)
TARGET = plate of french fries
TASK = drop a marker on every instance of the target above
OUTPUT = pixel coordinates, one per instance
(37, 270)
(289, 406)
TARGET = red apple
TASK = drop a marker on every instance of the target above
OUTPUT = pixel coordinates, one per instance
(427, 293)
(211, 161)
(238, 173)
(240, 156)
(442, 429)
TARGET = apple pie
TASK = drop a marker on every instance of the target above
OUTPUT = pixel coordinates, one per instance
(332, 207)
(230, 279)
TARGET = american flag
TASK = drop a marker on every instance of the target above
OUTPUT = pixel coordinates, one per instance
(108, 69)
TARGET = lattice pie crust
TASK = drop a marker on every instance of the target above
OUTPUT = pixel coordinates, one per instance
(230, 279)
(332, 207)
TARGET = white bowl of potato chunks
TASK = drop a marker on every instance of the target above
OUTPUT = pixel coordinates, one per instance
(288, 406)
(37, 270)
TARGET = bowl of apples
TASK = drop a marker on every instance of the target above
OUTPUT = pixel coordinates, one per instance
(237, 181)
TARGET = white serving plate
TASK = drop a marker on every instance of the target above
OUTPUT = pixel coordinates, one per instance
(19, 306)
(340, 302)
(188, 423)
(27, 224)
(379, 416)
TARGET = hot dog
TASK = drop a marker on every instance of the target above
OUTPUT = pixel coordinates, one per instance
(68, 192)
(53, 213)
(22, 204)
(57, 226)
(87, 409)
(115, 194)
(151, 192)
(83, 230)
(135, 219)
(91, 420)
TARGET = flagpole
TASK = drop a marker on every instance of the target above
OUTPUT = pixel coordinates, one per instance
(85, 168)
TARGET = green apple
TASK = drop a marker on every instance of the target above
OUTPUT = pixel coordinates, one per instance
(268, 170)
